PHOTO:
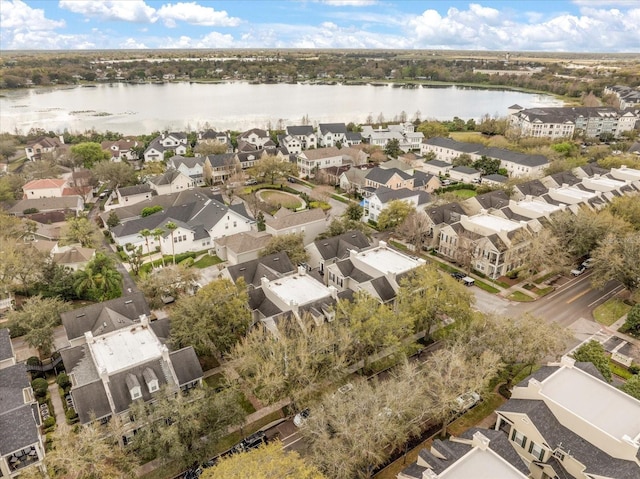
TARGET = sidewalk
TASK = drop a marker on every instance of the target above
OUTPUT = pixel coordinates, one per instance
(56, 402)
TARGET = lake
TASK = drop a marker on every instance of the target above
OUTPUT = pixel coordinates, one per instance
(134, 109)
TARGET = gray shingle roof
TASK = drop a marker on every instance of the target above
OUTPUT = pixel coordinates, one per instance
(438, 164)
(186, 365)
(134, 190)
(304, 130)
(17, 422)
(6, 350)
(117, 313)
(385, 195)
(465, 170)
(91, 400)
(332, 128)
(383, 288)
(166, 178)
(339, 246)
(272, 266)
(383, 175)
(119, 388)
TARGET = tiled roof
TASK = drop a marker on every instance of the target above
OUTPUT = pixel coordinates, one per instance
(44, 184)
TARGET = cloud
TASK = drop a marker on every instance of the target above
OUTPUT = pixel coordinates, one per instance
(132, 44)
(17, 15)
(607, 3)
(195, 14)
(136, 11)
(349, 3)
(211, 40)
(489, 29)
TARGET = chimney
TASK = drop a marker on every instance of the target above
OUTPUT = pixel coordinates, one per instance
(302, 270)
(88, 336)
(144, 320)
(382, 245)
(334, 292)
(481, 441)
(567, 361)
(264, 282)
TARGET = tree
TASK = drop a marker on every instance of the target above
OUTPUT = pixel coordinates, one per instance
(297, 363)
(354, 212)
(212, 320)
(633, 318)
(394, 214)
(292, 244)
(81, 230)
(171, 226)
(627, 208)
(593, 352)
(115, 173)
(39, 316)
(617, 257)
(273, 168)
(451, 372)
(260, 221)
(519, 342)
(88, 453)
(392, 148)
(462, 160)
(206, 149)
(8, 147)
(134, 257)
(11, 187)
(181, 428)
(431, 129)
(487, 166)
(492, 126)
(56, 281)
(146, 233)
(543, 252)
(112, 219)
(173, 280)
(88, 154)
(99, 280)
(268, 461)
(415, 229)
(157, 233)
(428, 298)
(632, 386)
(374, 326)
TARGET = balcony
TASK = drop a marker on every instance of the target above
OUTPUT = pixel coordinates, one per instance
(22, 458)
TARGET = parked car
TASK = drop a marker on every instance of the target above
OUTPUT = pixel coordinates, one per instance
(291, 179)
(457, 275)
(579, 270)
(467, 400)
(300, 418)
(250, 442)
(251, 181)
(587, 263)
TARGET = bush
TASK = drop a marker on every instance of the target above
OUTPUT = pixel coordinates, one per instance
(34, 361)
(63, 380)
(71, 414)
(634, 369)
(49, 422)
(16, 329)
(149, 210)
(187, 263)
(30, 211)
(40, 387)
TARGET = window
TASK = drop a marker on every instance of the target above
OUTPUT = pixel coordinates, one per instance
(518, 438)
(536, 450)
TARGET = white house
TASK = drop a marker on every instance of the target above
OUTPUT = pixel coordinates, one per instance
(330, 134)
(291, 143)
(189, 166)
(256, 137)
(309, 161)
(172, 181)
(464, 174)
(175, 142)
(305, 135)
(380, 199)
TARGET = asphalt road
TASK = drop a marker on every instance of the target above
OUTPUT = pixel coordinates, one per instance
(337, 207)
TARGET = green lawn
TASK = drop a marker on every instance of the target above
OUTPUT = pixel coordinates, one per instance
(207, 260)
(464, 194)
(519, 296)
(283, 199)
(487, 287)
(610, 311)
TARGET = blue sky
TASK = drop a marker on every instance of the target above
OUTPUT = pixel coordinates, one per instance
(515, 25)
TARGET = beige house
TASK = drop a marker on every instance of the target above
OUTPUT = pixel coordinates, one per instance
(241, 247)
(43, 146)
(45, 188)
(566, 421)
(173, 181)
(308, 222)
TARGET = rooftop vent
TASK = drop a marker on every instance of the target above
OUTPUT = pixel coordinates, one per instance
(129, 301)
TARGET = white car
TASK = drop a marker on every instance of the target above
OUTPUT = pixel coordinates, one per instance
(467, 400)
(300, 418)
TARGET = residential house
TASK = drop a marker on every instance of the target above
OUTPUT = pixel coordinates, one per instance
(21, 443)
(308, 222)
(7, 355)
(425, 182)
(437, 167)
(45, 188)
(272, 267)
(332, 134)
(255, 137)
(625, 173)
(478, 453)
(558, 179)
(291, 143)
(376, 270)
(120, 359)
(329, 250)
(564, 122)
(353, 138)
(464, 174)
(391, 178)
(66, 204)
(130, 195)
(175, 142)
(73, 257)
(120, 150)
(408, 139)
(494, 180)
(529, 188)
(241, 247)
(44, 146)
(171, 181)
(441, 216)
(331, 176)
(627, 97)
(516, 164)
(193, 167)
(565, 420)
(200, 220)
(218, 168)
(493, 200)
(305, 135)
(249, 159)
(381, 197)
(353, 180)
(310, 161)
(212, 137)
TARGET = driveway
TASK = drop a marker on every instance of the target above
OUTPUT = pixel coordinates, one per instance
(337, 207)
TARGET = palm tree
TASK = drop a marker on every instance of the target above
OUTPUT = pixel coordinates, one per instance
(84, 281)
(145, 233)
(157, 233)
(171, 226)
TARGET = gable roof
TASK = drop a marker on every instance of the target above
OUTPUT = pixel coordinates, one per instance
(385, 195)
(166, 178)
(18, 424)
(257, 131)
(338, 128)
(44, 183)
(104, 317)
(339, 246)
(188, 161)
(186, 365)
(383, 175)
(245, 241)
(445, 214)
(272, 267)
(303, 130)
(284, 221)
(321, 153)
(134, 190)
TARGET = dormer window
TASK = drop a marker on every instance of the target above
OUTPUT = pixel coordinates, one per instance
(135, 391)
(151, 379)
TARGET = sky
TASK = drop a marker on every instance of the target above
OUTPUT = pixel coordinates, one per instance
(506, 25)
